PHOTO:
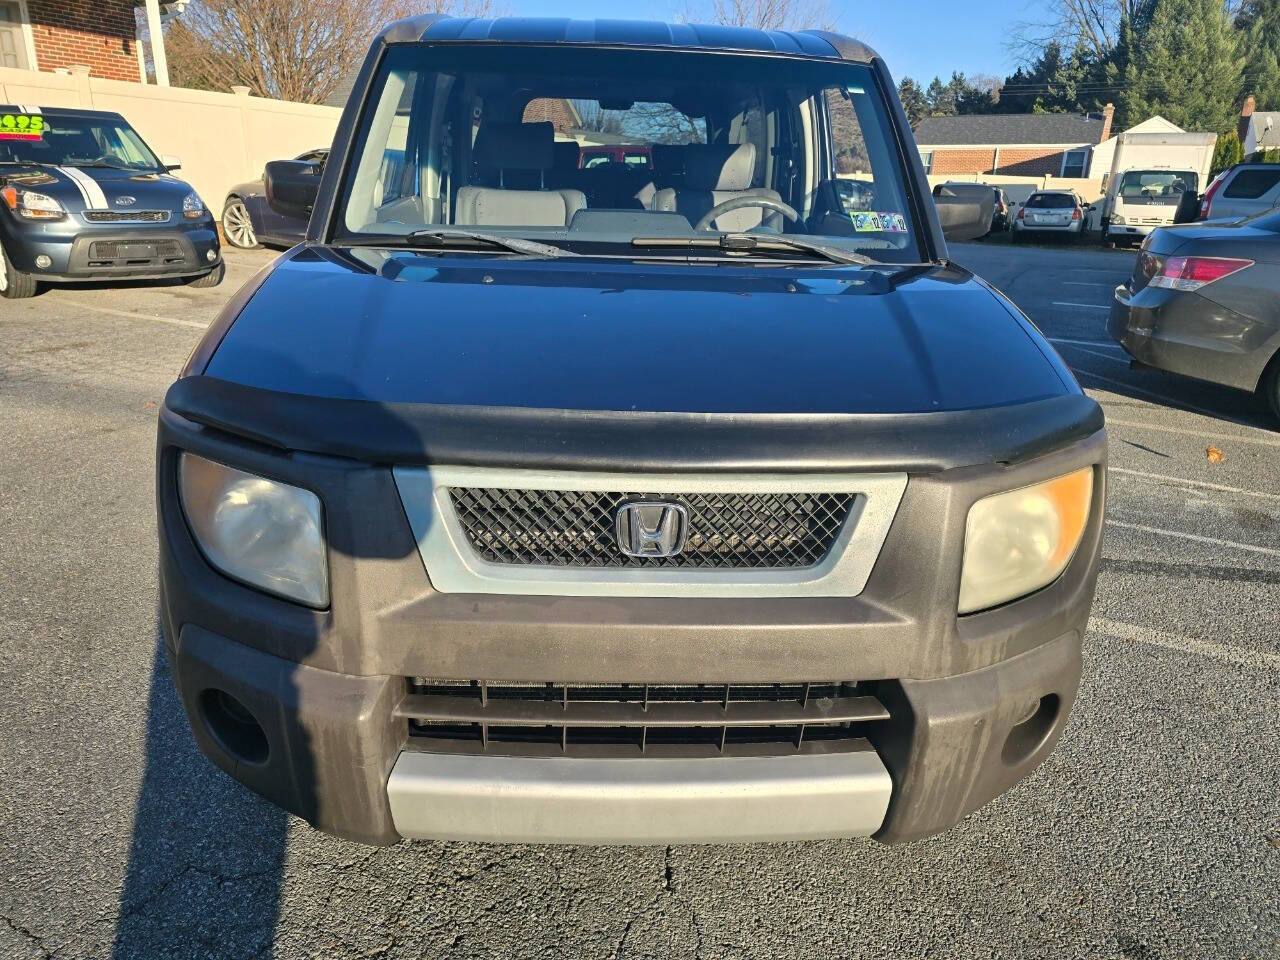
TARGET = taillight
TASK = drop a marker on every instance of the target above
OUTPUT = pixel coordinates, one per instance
(1075, 214)
(1192, 273)
(1022, 214)
(1207, 199)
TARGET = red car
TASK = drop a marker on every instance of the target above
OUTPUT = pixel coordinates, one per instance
(631, 154)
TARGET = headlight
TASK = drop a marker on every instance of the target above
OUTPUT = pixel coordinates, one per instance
(1019, 541)
(1117, 219)
(269, 535)
(192, 206)
(31, 205)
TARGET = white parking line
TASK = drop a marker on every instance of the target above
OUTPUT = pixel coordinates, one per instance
(1183, 481)
(1229, 653)
(1083, 306)
(1097, 353)
(1196, 538)
(142, 316)
(1180, 404)
(1208, 431)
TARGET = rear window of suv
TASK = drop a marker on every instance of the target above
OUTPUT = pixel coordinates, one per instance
(1251, 184)
(1053, 201)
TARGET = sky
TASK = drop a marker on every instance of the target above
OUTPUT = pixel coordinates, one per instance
(917, 38)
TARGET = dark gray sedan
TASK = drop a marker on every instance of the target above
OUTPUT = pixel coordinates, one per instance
(248, 220)
(1204, 302)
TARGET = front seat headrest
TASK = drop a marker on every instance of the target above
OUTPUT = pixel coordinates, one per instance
(503, 145)
(719, 166)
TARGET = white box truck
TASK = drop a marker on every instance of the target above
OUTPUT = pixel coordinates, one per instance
(1150, 173)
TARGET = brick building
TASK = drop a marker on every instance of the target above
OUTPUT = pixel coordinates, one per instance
(53, 34)
(1017, 144)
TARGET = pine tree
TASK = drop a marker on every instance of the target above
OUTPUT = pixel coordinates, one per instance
(1226, 152)
(940, 99)
(1259, 26)
(1186, 66)
(913, 100)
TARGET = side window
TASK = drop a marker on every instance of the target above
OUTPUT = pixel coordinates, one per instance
(1252, 184)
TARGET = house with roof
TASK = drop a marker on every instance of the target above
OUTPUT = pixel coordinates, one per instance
(1015, 144)
(1262, 132)
(103, 35)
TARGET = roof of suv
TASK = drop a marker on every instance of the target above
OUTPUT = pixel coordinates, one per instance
(433, 28)
(56, 112)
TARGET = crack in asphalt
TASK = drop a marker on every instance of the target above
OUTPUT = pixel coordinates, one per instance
(35, 939)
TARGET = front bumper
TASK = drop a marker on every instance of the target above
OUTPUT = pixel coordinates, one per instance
(1127, 231)
(80, 252)
(973, 704)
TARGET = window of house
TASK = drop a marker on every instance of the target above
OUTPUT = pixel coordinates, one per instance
(13, 42)
(1073, 163)
(926, 157)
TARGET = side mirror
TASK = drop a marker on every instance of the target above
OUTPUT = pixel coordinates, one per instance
(291, 187)
(965, 214)
(170, 162)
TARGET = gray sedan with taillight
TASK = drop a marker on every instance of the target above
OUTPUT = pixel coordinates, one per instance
(1204, 301)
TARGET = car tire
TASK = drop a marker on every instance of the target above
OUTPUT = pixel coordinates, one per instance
(14, 284)
(1270, 386)
(210, 279)
(237, 225)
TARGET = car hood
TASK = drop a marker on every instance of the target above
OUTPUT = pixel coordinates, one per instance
(594, 334)
(100, 188)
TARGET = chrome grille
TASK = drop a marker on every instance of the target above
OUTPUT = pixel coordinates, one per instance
(575, 528)
(443, 713)
(131, 216)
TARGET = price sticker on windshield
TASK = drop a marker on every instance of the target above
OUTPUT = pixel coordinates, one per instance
(21, 126)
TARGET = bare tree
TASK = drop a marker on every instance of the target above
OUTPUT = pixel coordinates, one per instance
(1096, 22)
(290, 49)
(762, 14)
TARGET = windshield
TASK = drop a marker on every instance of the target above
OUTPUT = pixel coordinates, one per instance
(1157, 186)
(586, 147)
(78, 142)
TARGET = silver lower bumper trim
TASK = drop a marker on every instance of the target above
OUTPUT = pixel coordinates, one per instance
(638, 801)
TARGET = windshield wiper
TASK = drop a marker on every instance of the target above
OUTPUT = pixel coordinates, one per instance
(434, 237)
(767, 243)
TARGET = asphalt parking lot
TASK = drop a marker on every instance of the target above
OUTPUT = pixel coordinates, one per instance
(1152, 832)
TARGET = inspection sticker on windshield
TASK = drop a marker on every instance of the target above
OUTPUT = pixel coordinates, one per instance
(21, 126)
(892, 222)
(864, 222)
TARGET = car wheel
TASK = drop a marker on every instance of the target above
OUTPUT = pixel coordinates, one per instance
(1270, 386)
(210, 279)
(237, 225)
(14, 284)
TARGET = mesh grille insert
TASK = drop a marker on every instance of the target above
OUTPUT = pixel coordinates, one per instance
(575, 528)
(636, 715)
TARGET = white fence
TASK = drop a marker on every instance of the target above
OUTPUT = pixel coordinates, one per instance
(222, 138)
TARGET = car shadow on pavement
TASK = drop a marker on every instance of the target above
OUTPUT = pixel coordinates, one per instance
(206, 862)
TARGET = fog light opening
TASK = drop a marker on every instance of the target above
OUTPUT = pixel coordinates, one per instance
(211, 255)
(234, 727)
(1027, 736)
(44, 262)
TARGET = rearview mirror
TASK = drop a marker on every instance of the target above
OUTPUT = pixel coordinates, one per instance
(965, 210)
(291, 187)
(170, 162)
